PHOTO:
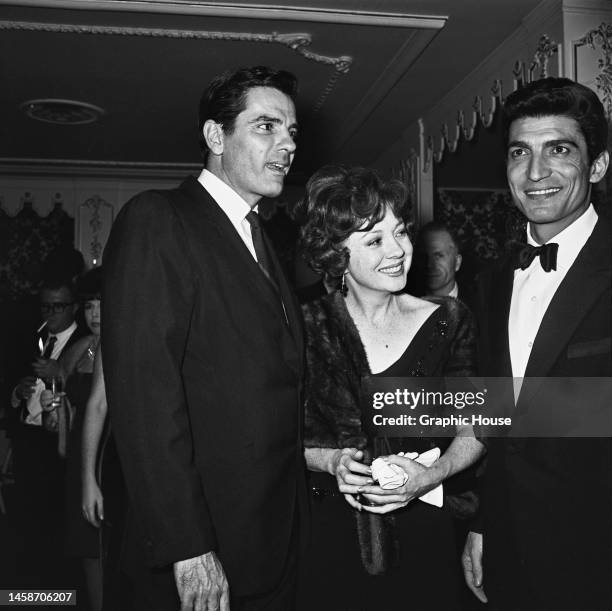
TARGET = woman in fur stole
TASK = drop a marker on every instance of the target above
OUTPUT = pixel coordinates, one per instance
(374, 548)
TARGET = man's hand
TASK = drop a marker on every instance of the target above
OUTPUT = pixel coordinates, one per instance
(201, 584)
(25, 388)
(46, 368)
(471, 560)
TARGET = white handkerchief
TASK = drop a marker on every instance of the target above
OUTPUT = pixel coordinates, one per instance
(33, 405)
(435, 496)
(388, 476)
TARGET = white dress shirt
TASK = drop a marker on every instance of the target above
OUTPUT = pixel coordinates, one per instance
(533, 289)
(61, 340)
(234, 207)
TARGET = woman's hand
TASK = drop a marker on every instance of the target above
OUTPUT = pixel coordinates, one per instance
(93, 503)
(420, 480)
(351, 474)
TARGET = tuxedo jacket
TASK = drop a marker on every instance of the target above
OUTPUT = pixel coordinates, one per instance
(203, 371)
(547, 502)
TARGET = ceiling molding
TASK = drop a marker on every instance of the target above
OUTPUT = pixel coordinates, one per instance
(411, 49)
(86, 167)
(246, 11)
(297, 42)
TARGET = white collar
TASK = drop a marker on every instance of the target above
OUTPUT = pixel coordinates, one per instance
(66, 333)
(230, 202)
(572, 238)
(454, 292)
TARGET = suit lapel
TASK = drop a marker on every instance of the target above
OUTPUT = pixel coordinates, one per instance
(215, 215)
(254, 276)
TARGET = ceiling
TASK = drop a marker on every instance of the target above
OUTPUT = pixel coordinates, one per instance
(367, 69)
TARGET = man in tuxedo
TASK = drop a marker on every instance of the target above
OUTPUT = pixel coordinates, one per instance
(202, 346)
(546, 536)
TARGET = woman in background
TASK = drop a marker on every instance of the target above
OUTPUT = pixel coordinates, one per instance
(103, 499)
(374, 548)
(81, 539)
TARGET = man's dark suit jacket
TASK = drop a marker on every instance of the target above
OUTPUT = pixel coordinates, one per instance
(547, 503)
(203, 379)
(39, 469)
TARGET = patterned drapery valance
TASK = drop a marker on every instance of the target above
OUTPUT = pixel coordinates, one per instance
(25, 241)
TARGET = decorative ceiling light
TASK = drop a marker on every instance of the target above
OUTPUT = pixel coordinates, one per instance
(62, 112)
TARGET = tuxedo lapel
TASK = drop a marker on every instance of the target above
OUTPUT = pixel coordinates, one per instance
(583, 284)
(500, 297)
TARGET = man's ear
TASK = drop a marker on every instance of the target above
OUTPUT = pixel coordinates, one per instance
(213, 136)
(599, 167)
(458, 260)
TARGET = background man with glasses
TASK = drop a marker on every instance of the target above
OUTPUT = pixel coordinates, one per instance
(37, 466)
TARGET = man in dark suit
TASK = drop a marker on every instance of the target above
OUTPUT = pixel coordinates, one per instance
(202, 346)
(546, 539)
(438, 260)
(39, 470)
(438, 265)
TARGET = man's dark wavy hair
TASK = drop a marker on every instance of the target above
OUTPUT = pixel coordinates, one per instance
(225, 96)
(339, 201)
(560, 96)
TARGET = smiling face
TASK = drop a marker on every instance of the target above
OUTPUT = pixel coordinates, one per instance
(256, 156)
(549, 172)
(379, 258)
(442, 261)
(91, 310)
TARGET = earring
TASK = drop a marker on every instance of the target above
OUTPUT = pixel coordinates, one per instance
(343, 287)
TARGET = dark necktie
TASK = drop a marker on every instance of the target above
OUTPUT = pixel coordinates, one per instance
(48, 351)
(262, 248)
(526, 253)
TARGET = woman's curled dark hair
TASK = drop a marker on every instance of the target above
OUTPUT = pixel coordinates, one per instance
(339, 201)
(89, 285)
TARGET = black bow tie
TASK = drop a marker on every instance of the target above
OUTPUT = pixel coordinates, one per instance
(524, 254)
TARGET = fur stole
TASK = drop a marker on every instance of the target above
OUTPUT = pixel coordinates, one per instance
(337, 374)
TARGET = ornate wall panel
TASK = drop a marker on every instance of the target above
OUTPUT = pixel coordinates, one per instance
(54, 212)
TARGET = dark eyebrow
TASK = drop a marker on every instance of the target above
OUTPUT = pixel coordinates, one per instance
(562, 142)
(521, 144)
(518, 143)
(269, 119)
(266, 118)
(366, 232)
